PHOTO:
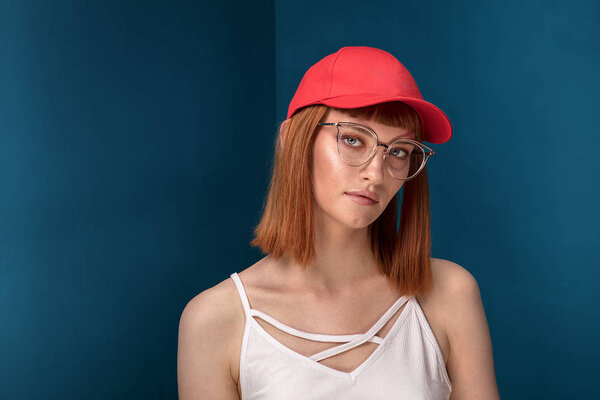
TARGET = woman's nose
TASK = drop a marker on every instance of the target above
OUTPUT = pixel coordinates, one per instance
(376, 165)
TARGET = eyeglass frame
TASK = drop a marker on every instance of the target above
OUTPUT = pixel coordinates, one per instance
(378, 143)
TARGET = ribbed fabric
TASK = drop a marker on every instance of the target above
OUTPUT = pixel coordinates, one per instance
(407, 364)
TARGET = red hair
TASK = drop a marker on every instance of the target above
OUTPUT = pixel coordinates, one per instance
(286, 225)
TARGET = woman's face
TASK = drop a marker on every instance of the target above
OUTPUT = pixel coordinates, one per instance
(333, 178)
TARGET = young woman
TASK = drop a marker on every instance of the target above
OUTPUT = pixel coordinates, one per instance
(347, 303)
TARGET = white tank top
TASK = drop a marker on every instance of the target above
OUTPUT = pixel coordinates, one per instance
(407, 364)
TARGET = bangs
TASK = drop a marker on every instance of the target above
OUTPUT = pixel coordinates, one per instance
(394, 113)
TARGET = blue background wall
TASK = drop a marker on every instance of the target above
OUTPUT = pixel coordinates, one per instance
(130, 182)
(131, 179)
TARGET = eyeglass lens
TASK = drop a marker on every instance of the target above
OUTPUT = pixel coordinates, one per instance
(356, 144)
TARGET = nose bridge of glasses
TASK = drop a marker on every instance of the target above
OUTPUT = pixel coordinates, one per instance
(386, 148)
(374, 153)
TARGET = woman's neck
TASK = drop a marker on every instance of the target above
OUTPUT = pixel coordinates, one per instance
(343, 261)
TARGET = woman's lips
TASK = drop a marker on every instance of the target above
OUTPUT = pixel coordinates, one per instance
(365, 201)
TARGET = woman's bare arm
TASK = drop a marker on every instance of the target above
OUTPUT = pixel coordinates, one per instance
(470, 362)
(203, 356)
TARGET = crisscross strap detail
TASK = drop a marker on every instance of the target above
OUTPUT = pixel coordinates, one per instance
(350, 341)
(317, 337)
(364, 337)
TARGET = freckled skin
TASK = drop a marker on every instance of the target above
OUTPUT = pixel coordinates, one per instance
(332, 176)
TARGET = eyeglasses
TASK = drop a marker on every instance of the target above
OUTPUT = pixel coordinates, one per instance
(357, 144)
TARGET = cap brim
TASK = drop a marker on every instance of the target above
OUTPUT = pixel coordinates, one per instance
(436, 125)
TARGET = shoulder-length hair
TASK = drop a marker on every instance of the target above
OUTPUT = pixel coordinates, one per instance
(286, 225)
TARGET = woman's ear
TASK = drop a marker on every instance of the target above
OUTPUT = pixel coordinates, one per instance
(283, 131)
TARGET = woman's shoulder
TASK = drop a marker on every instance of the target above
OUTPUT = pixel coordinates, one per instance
(221, 304)
(218, 309)
(209, 324)
(450, 274)
(465, 325)
(450, 278)
(216, 317)
(215, 305)
(439, 305)
(451, 282)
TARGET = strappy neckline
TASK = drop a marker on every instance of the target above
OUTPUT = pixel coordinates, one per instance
(352, 340)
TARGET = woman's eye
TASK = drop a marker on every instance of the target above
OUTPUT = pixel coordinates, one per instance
(351, 141)
(399, 153)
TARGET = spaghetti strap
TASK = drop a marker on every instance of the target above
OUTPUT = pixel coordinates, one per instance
(242, 293)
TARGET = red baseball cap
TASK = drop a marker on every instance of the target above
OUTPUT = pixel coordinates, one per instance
(359, 76)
